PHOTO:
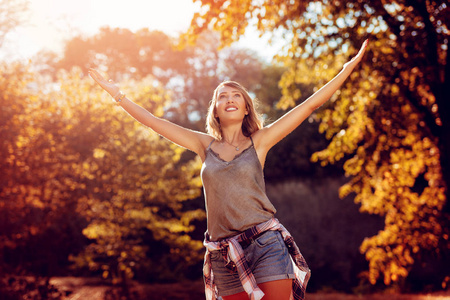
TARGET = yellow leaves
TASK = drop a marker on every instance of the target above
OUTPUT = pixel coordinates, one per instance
(21, 141)
(346, 125)
(73, 148)
(136, 182)
(93, 231)
(384, 49)
(354, 165)
(175, 227)
(345, 190)
(390, 252)
(395, 90)
(388, 258)
(395, 167)
(99, 153)
(189, 216)
(385, 165)
(145, 214)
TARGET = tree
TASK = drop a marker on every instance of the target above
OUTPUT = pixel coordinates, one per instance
(73, 165)
(122, 52)
(207, 67)
(386, 123)
(191, 73)
(37, 183)
(11, 16)
(135, 184)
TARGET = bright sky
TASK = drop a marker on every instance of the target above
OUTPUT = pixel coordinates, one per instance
(50, 22)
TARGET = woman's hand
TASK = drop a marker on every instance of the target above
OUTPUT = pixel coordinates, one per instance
(357, 58)
(108, 86)
(267, 137)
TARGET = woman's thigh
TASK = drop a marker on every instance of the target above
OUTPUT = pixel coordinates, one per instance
(277, 290)
(273, 290)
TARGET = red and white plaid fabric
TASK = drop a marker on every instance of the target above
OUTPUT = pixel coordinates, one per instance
(232, 251)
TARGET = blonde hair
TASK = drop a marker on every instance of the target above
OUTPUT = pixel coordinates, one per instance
(252, 121)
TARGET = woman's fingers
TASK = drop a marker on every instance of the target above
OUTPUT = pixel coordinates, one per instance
(96, 76)
(358, 57)
(363, 48)
(109, 85)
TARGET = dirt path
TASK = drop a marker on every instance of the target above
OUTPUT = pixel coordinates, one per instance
(377, 297)
(77, 288)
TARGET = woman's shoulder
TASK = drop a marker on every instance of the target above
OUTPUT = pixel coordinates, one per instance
(206, 140)
(258, 137)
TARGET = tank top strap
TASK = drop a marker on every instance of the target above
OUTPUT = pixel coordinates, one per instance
(209, 146)
(252, 141)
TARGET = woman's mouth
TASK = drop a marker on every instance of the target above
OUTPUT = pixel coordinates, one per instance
(231, 108)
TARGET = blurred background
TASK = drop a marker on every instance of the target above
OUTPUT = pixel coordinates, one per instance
(95, 206)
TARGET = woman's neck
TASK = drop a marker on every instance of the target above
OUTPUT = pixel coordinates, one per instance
(233, 133)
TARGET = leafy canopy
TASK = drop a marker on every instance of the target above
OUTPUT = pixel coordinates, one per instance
(72, 162)
(385, 122)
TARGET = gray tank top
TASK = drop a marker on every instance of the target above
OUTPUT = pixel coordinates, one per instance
(234, 193)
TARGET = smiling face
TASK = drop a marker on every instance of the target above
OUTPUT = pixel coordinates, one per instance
(230, 104)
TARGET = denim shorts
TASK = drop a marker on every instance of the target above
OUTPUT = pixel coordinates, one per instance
(267, 257)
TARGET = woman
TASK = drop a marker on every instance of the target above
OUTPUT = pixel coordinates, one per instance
(249, 253)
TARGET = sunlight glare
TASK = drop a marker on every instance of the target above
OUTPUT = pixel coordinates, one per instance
(52, 22)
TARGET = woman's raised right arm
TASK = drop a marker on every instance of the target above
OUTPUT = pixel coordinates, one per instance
(189, 139)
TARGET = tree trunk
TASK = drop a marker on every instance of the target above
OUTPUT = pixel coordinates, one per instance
(443, 102)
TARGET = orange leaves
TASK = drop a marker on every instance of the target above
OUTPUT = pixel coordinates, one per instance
(348, 112)
(71, 151)
(385, 122)
(390, 253)
(139, 184)
(387, 170)
(393, 164)
(231, 18)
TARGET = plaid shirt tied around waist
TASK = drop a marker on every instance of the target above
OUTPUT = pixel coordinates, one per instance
(231, 249)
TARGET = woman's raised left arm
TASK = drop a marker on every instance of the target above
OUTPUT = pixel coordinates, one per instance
(267, 137)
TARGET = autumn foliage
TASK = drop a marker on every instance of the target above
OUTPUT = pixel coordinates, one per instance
(387, 123)
(118, 201)
(73, 158)
(86, 181)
